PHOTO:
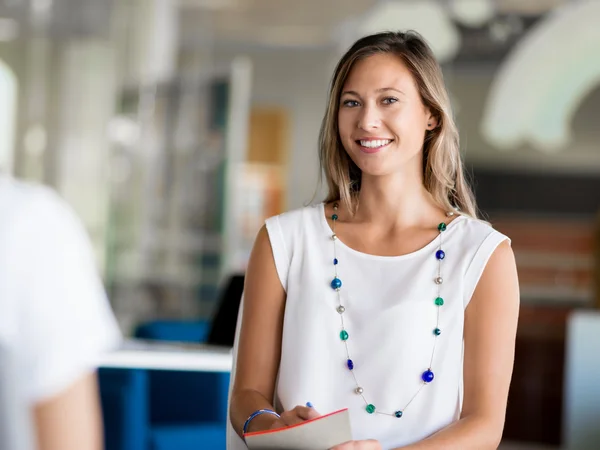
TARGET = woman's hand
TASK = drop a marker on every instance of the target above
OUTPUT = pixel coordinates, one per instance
(265, 422)
(298, 415)
(370, 444)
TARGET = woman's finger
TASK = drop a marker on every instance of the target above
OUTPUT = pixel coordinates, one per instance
(369, 444)
(306, 413)
(291, 418)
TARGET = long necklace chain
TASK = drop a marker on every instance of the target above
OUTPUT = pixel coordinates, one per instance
(427, 376)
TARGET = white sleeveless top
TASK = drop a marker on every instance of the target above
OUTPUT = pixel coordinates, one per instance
(390, 318)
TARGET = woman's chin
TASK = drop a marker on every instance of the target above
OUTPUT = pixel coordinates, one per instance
(371, 170)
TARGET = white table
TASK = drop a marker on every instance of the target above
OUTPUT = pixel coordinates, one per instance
(139, 354)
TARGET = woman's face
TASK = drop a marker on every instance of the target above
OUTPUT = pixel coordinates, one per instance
(382, 119)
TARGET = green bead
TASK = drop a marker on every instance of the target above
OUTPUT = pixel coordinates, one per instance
(442, 227)
(437, 331)
(334, 217)
(370, 408)
(439, 301)
(343, 335)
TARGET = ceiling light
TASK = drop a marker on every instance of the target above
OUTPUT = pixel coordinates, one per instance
(472, 13)
(426, 17)
(544, 79)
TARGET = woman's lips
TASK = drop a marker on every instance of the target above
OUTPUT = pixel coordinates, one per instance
(373, 145)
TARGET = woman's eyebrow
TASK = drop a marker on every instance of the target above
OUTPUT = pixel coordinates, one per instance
(384, 89)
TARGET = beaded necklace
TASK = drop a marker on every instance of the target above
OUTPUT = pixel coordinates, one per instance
(336, 284)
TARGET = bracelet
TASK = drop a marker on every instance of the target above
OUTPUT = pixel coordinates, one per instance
(258, 413)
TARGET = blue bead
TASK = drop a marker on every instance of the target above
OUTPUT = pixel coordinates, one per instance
(336, 283)
(335, 262)
(427, 376)
(398, 414)
(440, 254)
(334, 217)
(350, 364)
(437, 331)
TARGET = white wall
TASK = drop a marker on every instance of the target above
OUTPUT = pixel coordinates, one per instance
(298, 81)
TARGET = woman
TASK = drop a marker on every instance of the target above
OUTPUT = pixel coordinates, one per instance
(364, 301)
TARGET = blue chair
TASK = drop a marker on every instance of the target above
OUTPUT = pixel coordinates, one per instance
(174, 330)
(124, 395)
(187, 410)
(164, 409)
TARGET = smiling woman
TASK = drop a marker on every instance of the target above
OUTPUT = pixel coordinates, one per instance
(403, 93)
(391, 298)
(383, 116)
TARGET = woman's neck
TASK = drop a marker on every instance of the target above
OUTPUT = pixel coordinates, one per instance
(396, 203)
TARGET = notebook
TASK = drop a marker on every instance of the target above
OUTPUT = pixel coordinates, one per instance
(321, 433)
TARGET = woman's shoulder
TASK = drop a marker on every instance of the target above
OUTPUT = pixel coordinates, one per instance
(477, 225)
(474, 231)
(288, 231)
(298, 218)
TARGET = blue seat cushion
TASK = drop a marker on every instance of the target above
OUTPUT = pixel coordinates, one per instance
(174, 330)
(187, 397)
(209, 436)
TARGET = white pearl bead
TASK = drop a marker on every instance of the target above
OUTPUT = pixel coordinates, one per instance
(334, 237)
(341, 309)
(439, 280)
(358, 390)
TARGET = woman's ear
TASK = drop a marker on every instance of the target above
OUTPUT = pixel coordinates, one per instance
(432, 121)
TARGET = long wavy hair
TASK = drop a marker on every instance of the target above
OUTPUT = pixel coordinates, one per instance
(443, 171)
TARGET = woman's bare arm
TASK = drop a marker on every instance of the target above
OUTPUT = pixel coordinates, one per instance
(259, 347)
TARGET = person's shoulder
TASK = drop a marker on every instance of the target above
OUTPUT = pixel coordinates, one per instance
(19, 200)
(298, 217)
(16, 195)
(476, 230)
(30, 209)
(290, 229)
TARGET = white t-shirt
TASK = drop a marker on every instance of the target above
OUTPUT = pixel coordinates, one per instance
(390, 318)
(55, 319)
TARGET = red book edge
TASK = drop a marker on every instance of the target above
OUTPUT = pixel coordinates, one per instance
(256, 433)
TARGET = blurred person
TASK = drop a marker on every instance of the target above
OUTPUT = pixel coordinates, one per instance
(55, 321)
(391, 298)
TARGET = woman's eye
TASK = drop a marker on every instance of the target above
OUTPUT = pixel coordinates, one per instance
(350, 103)
(389, 100)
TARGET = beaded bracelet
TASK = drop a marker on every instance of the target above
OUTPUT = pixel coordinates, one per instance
(258, 413)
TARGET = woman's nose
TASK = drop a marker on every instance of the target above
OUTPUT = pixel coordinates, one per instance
(369, 118)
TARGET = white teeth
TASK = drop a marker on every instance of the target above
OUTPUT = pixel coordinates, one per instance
(375, 143)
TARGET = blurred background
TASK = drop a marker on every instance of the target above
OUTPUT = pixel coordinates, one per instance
(175, 127)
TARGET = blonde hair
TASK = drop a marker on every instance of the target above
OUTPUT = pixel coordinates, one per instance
(443, 172)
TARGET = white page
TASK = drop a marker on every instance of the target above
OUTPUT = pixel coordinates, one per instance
(321, 433)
